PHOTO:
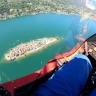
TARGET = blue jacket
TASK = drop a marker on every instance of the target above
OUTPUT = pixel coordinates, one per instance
(69, 80)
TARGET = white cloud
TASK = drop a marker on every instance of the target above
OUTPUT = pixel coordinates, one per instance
(90, 5)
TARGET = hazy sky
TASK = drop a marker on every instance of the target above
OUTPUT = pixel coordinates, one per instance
(94, 2)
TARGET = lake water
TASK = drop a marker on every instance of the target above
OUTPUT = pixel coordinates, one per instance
(23, 29)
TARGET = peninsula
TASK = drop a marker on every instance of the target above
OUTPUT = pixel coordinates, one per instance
(25, 49)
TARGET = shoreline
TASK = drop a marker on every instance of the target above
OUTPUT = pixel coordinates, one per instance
(30, 52)
(92, 16)
(61, 13)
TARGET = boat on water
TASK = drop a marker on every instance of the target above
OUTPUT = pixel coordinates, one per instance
(25, 85)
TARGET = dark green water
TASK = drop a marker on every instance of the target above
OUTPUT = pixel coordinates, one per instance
(27, 28)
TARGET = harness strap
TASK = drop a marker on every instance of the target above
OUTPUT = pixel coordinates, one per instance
(91, 83)
(4, 92)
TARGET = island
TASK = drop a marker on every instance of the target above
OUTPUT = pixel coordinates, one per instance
(31, 47)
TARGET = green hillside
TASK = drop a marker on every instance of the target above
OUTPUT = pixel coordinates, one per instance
(14, 8)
